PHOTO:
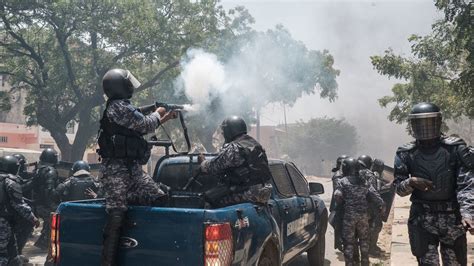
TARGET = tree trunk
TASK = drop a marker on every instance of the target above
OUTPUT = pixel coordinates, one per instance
(86, 129)
(63, 143)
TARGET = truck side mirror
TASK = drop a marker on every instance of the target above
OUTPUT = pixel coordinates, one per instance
(316, 188)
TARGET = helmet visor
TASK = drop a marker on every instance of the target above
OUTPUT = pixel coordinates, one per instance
(425, 126)
(133, 81)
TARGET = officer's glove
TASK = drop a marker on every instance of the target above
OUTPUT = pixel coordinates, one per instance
(420, 183)
(201, 158)
(468, 225)
(36, 222)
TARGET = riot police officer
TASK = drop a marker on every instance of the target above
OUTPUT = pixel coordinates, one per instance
(355, 194)
(243, 163)
(375, 216)
(11, 205)
(336, 214)
(77, 186)
(438, 173)
(44, 192)
(124, 150)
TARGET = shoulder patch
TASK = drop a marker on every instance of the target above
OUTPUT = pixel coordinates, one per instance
(452, 140)
(407, 147)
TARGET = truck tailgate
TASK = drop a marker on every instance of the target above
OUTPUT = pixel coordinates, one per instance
(150, 236)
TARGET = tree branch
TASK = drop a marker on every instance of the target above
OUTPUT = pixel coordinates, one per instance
(153, 81)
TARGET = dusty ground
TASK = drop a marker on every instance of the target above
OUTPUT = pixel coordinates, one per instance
(393, 239)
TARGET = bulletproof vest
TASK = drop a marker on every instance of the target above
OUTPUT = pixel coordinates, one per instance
(78, 187)
(437, 164)
(40, 194)
(255, 169)
(116, 141)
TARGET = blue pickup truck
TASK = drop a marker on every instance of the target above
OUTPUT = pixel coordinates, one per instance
(188, 232)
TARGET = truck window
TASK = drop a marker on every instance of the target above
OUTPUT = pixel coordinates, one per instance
(299, 181)
(282, 180)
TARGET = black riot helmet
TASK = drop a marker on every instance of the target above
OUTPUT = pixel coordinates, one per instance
(350, 167)
(9, 164)
(119, 84)
(425, 121)
(80, 165)
(49, 156)
(233, 127)
(339, 162)
(22, 161)
(365, 161)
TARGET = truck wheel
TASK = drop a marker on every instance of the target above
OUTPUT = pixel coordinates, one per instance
(316, 252)
(268, 257)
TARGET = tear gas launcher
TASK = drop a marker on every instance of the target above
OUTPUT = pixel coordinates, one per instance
(152, 107)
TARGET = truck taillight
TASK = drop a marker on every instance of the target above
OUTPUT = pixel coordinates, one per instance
(54, 243)
(218, 245)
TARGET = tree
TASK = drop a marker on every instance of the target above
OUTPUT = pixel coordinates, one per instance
(59, 50)
(440, 70)
(320, 139)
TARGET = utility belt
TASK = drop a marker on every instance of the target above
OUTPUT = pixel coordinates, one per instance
(437, 206)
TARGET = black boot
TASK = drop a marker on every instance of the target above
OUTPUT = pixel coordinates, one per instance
(115, 220)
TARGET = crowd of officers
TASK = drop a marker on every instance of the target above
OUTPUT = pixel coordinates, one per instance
(26, 197)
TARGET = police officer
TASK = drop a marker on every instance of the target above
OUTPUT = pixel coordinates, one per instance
(336, 214)
(123, 151)
(375, 216)
(355, 194)
(77, 186)
(44, 193)
(11, 203)
(438, 172)
(243, 163)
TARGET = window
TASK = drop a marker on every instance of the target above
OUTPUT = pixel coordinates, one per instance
(282, 180)
(3, 139)
(300, 183)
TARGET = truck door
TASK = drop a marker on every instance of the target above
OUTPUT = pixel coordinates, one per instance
(287, 204)
(306, 226)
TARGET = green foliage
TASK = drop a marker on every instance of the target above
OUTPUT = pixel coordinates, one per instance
(440, 69)
(311, 143)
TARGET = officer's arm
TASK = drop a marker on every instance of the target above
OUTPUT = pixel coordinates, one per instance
(374, 196)
(63, 187)
(465, 182)
(402, 177)
(128, 116)
(229, 157)
(17, 203)
(338, 195)
(51, 177)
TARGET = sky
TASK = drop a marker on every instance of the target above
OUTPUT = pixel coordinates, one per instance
(352, 31)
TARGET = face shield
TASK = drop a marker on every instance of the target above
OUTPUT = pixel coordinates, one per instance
(133, 83)
(425, 126)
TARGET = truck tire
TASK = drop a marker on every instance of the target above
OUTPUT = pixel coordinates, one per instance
(316, 252)
(269, 257)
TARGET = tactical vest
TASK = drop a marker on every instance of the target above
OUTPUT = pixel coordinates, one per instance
(439, 165)
(116, 141)
(255, 169)
(40, 194)
(78, 187)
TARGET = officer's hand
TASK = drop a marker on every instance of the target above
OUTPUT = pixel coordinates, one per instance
(167, 116)
(36, 222)
(383, 209)
(90, 193)
(201, 158)
(467, 224)
(161, 111)
(420, 183)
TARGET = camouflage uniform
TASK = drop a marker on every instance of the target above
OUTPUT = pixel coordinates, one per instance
(12, 204)
(124, 181)
(337, 213)
(46, 199)
(356, 195)
(232, 157)
(436, 222)
(375, 216)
